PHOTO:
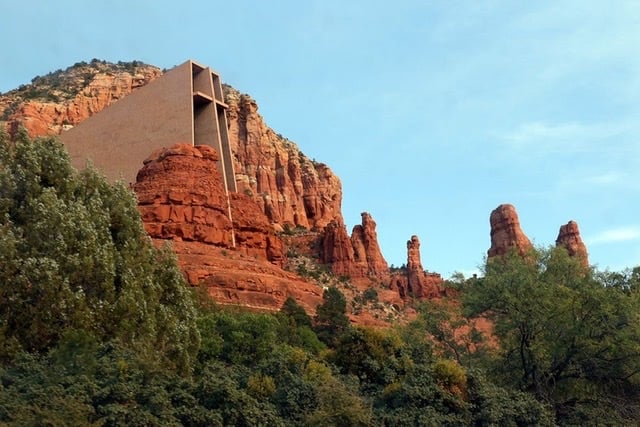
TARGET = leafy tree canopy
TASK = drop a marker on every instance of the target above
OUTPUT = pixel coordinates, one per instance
(564, 335)
(74, 257)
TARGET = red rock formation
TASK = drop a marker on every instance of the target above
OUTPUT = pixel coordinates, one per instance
(254, 234)
(97, 86)
(506, 232)
(230, 277)
(364, 240)
(358, 256)
(182, 200)
(416, 282)
(180, 196)
(569, 238)
(337, 251)
(290, 188)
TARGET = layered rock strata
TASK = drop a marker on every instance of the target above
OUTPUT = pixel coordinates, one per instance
(414, 281)
(357, 255)
(181, 196)
(337, 252)
(570, 239)
(182, 200)
(366, 249)
(61, 100)
(291, 189)
(506, 232)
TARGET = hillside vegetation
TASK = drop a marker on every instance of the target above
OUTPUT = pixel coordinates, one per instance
(97, 327)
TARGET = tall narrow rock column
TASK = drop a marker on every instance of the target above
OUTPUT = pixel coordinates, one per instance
(506, 232)
(569, 238)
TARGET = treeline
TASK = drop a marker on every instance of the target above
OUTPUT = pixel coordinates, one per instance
(99, 328)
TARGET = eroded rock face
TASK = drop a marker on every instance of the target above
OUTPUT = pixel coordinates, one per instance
(357, 256)
(97, 87)
(182, 200)
(416, 282)
(230, 277)
(181, 196)
(506, 232)
(290, 188)
(364, 240)
(254, 234)
(569, 238)
(337, 251)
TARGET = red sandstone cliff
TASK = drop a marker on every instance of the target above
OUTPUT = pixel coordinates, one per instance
(364, 240)
(506, 232)
(182, 200)
(337, 251)
(60, 100)
(569, 238)
(292, 189)
(181, 196)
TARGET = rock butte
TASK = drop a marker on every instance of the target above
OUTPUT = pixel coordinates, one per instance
(291, 189)
(182, 200)
(357, 256)
(105, 87)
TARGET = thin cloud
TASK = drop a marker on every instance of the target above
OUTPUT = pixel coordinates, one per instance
(604, 179)
(560, 137)
(615, 235)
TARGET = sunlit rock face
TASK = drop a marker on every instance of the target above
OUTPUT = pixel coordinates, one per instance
(570, 239)
(506, 232)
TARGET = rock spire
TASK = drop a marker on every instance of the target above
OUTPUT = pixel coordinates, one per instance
(569, 238)
(506, 232)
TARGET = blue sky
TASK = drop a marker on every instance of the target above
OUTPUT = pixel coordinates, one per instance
(431, 112)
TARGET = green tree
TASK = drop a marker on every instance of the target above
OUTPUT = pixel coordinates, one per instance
(377, 358)
(564, 336)
(295, 327)
(295, 312)
(74, 256)
(331, 319)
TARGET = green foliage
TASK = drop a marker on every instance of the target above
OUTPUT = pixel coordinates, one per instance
(450, 375)
(331, 320)
(295, 327)
(239, 338)
(375, 357)
(564, 336)
(61, 85)
(455, 335)
(97, 327)
(74, 257)
(497, 406)
(295, 312)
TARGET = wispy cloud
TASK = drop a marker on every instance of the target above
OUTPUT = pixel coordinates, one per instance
(615, 235)
(604, 179)
(560, 137)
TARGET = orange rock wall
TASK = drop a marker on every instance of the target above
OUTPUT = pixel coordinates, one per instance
(291, 189)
